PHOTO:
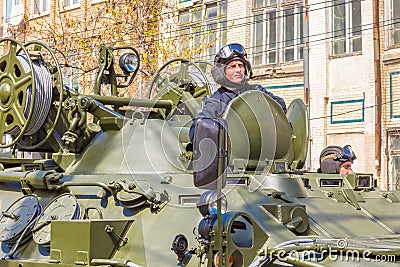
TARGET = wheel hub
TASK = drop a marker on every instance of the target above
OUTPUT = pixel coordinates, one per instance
(5, 93)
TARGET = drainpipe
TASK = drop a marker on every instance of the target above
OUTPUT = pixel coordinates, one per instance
(306, 56)
(378, 90)
(306, 77)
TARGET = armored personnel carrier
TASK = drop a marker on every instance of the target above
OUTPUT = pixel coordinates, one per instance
(118, 184)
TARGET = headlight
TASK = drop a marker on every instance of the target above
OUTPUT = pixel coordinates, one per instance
(129, 62)
(180, 246)
(207, 203)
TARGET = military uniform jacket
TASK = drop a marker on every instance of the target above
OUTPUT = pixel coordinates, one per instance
(214, 106)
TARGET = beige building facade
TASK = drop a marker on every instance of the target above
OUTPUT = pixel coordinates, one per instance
(339, 70)
(390, 66)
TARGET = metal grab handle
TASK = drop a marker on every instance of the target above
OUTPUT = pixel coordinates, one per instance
(99, 184)
(10, 215)
(92, 208)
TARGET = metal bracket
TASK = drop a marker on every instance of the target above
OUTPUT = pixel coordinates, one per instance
(119, 241)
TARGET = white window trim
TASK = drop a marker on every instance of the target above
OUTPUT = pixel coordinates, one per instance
(392, 153)
(41, 14)
(4, 24)
(280, 48)
(387, 15)
(185, 4)
(66, 8)
(389, 28)
(348, 27)
(296, 32)
(205, 22)
(265, 50)
(5, 11)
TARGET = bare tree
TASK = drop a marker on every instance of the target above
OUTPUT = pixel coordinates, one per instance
(77, 34)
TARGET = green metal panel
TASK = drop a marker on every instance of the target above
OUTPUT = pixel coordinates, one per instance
(81, 241)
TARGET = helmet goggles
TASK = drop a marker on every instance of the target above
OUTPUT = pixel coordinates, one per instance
(229, 52)
(346, 154)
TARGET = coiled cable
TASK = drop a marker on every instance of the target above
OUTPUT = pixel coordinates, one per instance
(43, 95)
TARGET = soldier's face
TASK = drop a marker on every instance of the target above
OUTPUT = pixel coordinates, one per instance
(235, 71)
(345, 168)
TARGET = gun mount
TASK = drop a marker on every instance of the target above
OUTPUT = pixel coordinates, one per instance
(117, 187)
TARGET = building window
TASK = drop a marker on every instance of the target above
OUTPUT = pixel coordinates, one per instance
(395, 22)
(394, 160)
(204, 24)
(9, 6)
(71, 78)
(346, 27)
(71, 74)
(40, 7)
(69, 4)
(13, 14)
(277, 31)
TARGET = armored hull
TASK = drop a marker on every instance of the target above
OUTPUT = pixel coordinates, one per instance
(119, 190)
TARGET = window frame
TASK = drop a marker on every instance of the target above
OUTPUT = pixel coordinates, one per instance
(392, 27)
(71, 77)
(350, 31)
(40, 9)
(298, 38)
(202, 23)
(13, 4)
(275, 54)
(394, 152)
(69, 7)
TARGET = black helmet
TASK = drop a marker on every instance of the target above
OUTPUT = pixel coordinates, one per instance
(225, 55)
(333, 156)
(231, 52)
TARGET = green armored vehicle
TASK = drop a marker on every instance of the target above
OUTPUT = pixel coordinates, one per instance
(117, 185)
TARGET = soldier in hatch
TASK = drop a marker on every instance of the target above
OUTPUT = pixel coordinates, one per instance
(232, 71)
(336, 159)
